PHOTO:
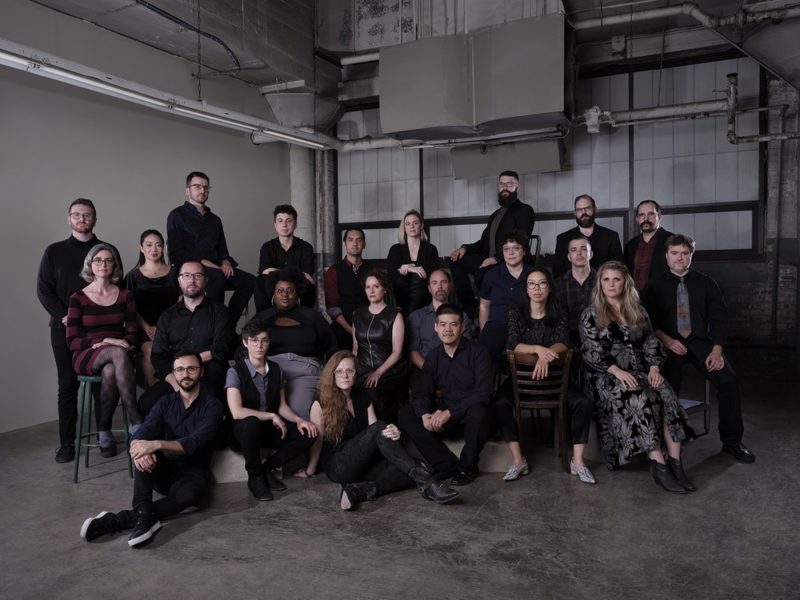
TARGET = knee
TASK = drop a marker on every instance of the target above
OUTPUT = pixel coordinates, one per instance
(248, 426)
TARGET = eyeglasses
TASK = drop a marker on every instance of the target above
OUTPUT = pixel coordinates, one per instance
(189, 276)
(508, 185)
(181, 370)
(102, 261)
(200, 186)
(287, 291)
(537, 285)
(259, 341)
(343, 372)
(81, 216)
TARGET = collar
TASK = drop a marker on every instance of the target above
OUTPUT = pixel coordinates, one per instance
(203, 304)
(252, 370)
(189, 207)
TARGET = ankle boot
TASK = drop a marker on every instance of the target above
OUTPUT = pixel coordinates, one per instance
(430, 488)
(354, 493)
(664, 478)
(676, 466)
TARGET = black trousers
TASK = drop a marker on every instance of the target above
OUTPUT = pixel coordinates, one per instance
(731, 426)
(241, 282)
(476, 426)
(183, 485)
(469, 264)
(411, 292)
(67, 385)
(250, 435)
(369, 456)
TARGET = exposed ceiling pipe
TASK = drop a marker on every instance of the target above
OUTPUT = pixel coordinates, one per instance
(733, 96)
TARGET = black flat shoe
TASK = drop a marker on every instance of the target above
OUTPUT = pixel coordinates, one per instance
(740, 452)
(275, 484)
(108, 451)
(65, 454)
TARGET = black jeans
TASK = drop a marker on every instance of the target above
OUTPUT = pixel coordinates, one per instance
(250, 435)
(183, 485)
(369, 456)
(731, 426)
(476, 425)
(241, 282)
(469, 264)
(67, 386)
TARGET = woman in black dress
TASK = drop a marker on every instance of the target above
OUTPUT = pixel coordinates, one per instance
(411, 261)
(154, 285)
(359, 451)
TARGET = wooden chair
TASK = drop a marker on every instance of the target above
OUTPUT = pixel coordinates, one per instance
(535, 394)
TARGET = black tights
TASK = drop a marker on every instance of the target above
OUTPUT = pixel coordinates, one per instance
(115, 366)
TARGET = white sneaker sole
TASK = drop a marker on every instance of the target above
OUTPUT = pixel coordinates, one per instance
(145, 536)
(87, 522)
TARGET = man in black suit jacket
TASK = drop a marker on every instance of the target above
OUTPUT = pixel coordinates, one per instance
(645, 255)
(605, 242)
(478, 257)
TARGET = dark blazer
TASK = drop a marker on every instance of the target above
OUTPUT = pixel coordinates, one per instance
(605, 246)
(519, 217)
(658, 262)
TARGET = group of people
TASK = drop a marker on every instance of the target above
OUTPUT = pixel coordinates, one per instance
(396, 356)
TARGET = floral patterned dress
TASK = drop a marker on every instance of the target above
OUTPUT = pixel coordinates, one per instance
(629, 421)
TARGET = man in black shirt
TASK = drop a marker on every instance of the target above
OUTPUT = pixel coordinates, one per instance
(59, 277)
(605, 242)
(344, 287)
(194, 324)
(453, 398)
(690, 318)
(171, 451)
(195, 233)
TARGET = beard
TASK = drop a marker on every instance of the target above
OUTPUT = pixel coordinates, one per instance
(194, 295)
(505, 197)
(187, 384)
(585, 220)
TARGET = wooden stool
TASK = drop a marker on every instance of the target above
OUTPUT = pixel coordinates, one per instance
(85, 410)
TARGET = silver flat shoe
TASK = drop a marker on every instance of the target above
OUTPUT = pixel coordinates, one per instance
(514, 471)
(584, 474)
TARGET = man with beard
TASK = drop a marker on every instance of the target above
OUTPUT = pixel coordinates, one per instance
(605, 242)
(477, 258)
(60, 277)
(645, 254)
(195, 233)
(171, 451)
(194, 324)
(344, 286)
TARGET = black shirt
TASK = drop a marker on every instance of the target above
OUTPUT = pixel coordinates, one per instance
(605, 246)
(194, 236)
(300, 254)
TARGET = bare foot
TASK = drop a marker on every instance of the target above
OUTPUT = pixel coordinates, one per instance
(302, 474)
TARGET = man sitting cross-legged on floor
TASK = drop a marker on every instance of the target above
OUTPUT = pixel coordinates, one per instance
(171, 452)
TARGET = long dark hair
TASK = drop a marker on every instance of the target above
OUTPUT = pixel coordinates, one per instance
(551, 309)
(157, 233)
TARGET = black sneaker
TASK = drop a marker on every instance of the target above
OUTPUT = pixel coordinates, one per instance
(144, 529)
(65, 454)
(258, 487)
(105, 523)
(273, 482)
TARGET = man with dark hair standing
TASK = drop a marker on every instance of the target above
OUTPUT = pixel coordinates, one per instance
(60, 277)
(194, 233)
(476, 258)
(285, 250)
(645, 255)
(690, 318)
(453, 397)
(605, 242)
(344, 287)
(171, 452)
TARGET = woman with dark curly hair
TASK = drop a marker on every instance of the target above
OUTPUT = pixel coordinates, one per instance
(101, 333)
(356, 449)
(637, 410)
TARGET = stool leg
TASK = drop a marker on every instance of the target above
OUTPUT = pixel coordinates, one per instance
(89, 401)
(125, 430)
(79, 432)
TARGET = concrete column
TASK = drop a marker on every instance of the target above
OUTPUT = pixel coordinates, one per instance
(327, 247)
(301, 192)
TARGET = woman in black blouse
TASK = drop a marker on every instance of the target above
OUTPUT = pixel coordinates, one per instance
(359, 451)
(536, 327)
(411, 261)
(154, 285)
(300, 340)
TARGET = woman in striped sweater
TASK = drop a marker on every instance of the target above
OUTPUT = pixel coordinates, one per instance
(101, 332)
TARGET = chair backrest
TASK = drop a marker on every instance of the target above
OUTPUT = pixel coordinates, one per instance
(534, 246)
(538, 393)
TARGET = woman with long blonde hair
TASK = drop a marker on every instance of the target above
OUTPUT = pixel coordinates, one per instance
(357, 450)
(637, 410)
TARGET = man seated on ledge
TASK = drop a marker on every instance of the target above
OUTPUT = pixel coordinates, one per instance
(453, 398)
(171, 452)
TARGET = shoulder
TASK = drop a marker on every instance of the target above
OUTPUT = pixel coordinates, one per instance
(301, 243)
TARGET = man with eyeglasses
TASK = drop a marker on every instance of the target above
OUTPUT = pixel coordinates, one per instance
(193, 324)
(59, 277)
(195, 233)
(573, 289)
(171, 452)
(605, 242)
(645, 254)
(478, 257)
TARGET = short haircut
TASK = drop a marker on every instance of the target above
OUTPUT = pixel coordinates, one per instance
(509, 174)
(679, 239)
(401, 230)
(653, 202)
(190, 262)
(517, 237)
(579, 237)
(358, 229)
(253, 327)
(196, 174)
(185, 353)
(450, 309)
(86, 271)
(588, 197)
(287, 209)
(82, 202)
(444, 271)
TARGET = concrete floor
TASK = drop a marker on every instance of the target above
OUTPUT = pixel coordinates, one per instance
(545, 536)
